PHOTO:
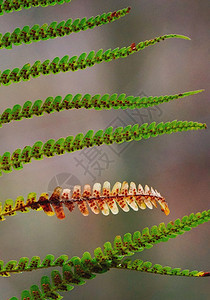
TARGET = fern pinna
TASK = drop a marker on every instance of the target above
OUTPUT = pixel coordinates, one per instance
(97, 102)
(80, 141)
(106, 200)
(37, 33)
(99, 199)
(76, 270)
(9, 6)
(66, 64)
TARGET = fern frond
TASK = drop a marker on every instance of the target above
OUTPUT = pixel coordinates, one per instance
(129, 244)
(71, 144)
(8, 6)
(76, 270)
(45, 32)
(140, 265)
(97, 102)
(75, 63)
(162, 233)
(104, 201)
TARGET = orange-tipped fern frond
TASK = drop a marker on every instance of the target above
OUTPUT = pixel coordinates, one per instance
(99, 199)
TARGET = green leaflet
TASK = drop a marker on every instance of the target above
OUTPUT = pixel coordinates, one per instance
(75, 63)
(80, 141)
(76, 270)
(36, 33)
(97, 102)
(9, 6)
(139, 265)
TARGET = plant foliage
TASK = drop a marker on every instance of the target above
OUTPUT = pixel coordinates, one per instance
(66, 64)
(97, 102)
(76, 270)
(80, 141)
(45, 32)
(104, 201)
(8, 6)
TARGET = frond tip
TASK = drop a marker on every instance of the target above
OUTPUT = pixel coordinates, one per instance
(139, 265)
(98, 199)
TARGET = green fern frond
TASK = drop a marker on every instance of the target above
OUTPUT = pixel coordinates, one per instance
(71, 144)
(140, 265)
(163, 233)
(75, 63)
(97, 102)
(45, 32)
(105, 201)
(8, 6)
(129, 244)
(76, 270)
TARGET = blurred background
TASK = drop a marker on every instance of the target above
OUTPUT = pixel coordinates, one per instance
(177, 165)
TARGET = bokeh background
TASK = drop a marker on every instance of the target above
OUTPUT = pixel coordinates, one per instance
(176, 165)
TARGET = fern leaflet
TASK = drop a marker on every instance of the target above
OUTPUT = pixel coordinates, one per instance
(139, 265)
(71, 144)
(75, 63)
(97, 102)
(8, 6)
(104, 201)
(45, 32)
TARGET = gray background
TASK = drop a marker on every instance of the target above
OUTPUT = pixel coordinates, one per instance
(177, 165)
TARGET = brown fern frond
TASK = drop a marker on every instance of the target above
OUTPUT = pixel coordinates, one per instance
(99, 199)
